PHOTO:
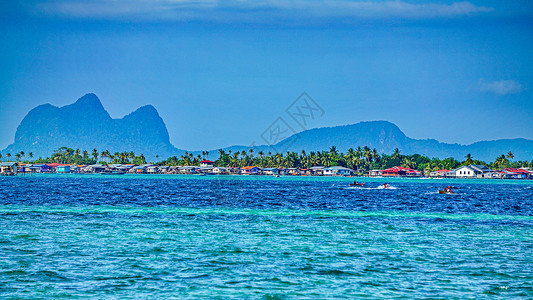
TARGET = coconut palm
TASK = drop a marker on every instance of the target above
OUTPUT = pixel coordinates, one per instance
(95, 154)
(333, 151)
(367, 153)
(510, 155)
(396, 153)
(469, 160)
(375, 155)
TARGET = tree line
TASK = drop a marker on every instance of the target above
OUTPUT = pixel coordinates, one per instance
(65, 155)
(361, 159)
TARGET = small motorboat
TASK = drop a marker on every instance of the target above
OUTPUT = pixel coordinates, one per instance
(446, 192)
(358, 184)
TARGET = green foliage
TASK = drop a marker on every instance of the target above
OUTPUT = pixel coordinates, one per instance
(360, 159)
(65, 155)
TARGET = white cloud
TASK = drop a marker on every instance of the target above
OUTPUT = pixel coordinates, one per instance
(502, 87)
(254, 11)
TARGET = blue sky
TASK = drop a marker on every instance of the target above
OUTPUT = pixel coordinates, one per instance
(220, 72)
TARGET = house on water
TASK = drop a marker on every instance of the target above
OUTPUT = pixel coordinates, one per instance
(338, 171)
(250, 170)
(400, 171)
(439, 173)
(271, 171)
(63, 169)
(206, 164)
(471, 171)
(8, 168)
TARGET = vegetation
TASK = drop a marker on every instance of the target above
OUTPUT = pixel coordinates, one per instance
(65, 155)
(360, 159)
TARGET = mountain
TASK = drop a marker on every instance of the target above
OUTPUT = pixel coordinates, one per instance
(86, 125)
(385, 137)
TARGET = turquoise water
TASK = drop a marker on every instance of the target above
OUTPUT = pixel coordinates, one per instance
(245, 237)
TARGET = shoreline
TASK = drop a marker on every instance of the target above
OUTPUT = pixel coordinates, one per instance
(288, 178)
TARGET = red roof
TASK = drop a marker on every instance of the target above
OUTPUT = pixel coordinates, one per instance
(443, 170)
(206, 162)
(248, 167)
(513, 170)
(398, 169)
(53, 165)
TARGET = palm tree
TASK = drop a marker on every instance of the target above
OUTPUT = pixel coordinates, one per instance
(367, 153)
(469, 160)
(95, 154)
(396, 153)
(17, 156)
(30, 155)
(8, 156)
(333, 151)
(1, 157)
(375, 155)
(510, 155)
(501, 162)
(359, 152)
(22, 154)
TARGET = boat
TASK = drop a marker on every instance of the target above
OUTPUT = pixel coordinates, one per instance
(445, 192)
(358, 184)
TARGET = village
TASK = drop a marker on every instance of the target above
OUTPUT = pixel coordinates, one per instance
(207, 167)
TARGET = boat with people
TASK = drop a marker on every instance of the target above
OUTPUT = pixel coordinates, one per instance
(384, 186)
(355, 183)
(447, 190)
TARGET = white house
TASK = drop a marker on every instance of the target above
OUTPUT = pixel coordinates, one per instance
(471, 171)
(338, 171)
(206, 164)
(271, 171)
(152, 169)
(188, 169)
(219, 170)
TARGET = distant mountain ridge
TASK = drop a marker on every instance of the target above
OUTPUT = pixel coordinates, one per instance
(385, 137)
(86, 125)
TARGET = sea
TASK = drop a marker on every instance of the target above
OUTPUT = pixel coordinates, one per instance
(258, 237)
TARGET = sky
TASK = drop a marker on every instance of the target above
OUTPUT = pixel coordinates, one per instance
(221, 72)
